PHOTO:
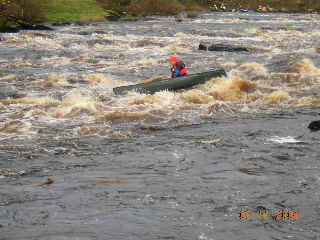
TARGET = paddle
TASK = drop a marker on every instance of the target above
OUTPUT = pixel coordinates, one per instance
(154, 79)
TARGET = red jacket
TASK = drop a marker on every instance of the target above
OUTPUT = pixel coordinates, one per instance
(178, 69)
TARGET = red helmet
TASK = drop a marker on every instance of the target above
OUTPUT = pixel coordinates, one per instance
(174, 59)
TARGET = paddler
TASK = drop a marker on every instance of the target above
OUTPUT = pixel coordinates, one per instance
(178, 67)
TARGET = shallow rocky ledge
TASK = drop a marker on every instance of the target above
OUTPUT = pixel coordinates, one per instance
(15, 24)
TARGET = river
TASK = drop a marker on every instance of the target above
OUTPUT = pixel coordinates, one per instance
(230, 159)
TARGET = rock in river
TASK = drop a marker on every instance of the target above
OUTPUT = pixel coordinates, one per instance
(7, 90)
(314, 126)
(222, 47)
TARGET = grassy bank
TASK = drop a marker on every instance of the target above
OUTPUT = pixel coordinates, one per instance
(73, 11)
(61, 11)
(28, 12)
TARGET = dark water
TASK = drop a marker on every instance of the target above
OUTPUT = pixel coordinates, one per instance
(192, 164)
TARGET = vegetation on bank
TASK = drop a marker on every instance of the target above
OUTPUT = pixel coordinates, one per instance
(151, 7)
(18, 14)
(59, 11)
(279, 5)
(167, 7)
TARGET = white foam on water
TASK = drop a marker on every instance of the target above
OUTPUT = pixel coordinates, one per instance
(204, 237)
(281, 140)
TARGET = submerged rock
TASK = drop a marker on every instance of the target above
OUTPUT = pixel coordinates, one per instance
(61, 24)
(203, 47)
(314, 126)
(7, 91)
(222, 47)
(99, 41)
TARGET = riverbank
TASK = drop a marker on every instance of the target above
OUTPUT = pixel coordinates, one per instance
(54, 12)
(86, 11)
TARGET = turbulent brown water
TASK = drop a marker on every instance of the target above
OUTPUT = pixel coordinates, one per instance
(194, 164)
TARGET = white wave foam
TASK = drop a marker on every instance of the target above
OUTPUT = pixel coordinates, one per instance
(282, 140)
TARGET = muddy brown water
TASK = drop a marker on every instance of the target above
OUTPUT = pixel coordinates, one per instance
(230, 159)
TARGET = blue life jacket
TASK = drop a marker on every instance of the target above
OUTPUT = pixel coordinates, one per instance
(176, 73)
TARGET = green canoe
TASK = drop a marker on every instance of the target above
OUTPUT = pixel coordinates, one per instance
(171, 84)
